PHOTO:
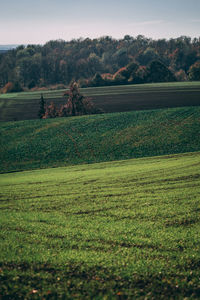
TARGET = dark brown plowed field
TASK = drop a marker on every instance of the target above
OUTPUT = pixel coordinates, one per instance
(151, 100)
(16, 110)
(113, 99)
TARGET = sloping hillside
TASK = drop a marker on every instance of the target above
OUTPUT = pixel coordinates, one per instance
(25, 105)
(66, 141)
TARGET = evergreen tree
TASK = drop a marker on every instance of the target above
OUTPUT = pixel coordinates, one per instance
(41, 111)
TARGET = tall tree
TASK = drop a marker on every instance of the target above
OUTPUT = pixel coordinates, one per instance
(158, 72)
(77, 104)
(41, 111)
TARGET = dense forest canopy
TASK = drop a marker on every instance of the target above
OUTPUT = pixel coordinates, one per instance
(101, 61)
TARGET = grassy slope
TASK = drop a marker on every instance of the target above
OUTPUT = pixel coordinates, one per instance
(97, 91)
(88, 139)
(22, 106)
(127, 228)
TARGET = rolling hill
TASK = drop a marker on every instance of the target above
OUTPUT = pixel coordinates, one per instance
(92, 222)
(56, 142)
(25, 105)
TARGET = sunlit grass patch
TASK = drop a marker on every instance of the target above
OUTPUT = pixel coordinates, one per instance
(126, 228)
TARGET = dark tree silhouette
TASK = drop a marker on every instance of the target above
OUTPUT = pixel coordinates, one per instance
(50, 111)
(58, 62)
(41, 111)
(158, 72)
(77, 104)
(194, 71)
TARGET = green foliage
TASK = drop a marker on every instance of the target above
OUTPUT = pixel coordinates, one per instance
(194, 71)
(147, 56)
(95, 138)
(158, 72)
(183, 57)
(97, 80)
(117, 230)
(131, 68)
(58, 62)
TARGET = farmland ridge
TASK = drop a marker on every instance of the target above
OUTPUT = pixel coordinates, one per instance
(25, 105)
(56, 142)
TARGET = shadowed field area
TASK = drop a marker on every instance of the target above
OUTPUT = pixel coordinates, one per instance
(25, 106)
(95, 138)
(125, 229)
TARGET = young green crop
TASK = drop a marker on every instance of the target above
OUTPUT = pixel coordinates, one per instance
(127, 229)
(123, 89)
(96, 138)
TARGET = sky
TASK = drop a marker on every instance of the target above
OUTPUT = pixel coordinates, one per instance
(38, 21)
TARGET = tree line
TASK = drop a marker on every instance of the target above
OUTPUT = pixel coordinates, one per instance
(101, 61)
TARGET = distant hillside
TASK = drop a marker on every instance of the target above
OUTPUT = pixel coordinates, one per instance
(34, 144)
(7, 47)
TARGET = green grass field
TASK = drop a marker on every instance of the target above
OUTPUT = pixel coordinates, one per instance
(24, 106)
(88, 139)
(116, 230)
(91, 222)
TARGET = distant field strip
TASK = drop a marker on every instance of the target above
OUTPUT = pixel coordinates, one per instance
(116, 230)
(88, 139)
(120, 89)
(23, 106)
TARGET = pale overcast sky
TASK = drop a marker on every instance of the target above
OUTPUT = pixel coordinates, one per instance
(38, 21)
